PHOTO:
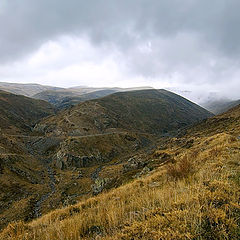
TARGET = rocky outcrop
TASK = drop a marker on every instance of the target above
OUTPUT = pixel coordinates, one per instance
(133, 164)
(66, 160)
(48, 128)
(99, 185)
(146, 170)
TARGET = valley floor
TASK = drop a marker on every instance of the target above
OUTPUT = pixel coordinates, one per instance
(194, 195)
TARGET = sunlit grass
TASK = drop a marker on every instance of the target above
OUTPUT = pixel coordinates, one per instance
(195, 198)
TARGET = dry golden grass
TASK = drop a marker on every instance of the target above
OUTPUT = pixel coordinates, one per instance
(201, 203)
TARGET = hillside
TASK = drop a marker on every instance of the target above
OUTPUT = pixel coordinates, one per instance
(147, 111)
(82, 151)
(19, 113)
(190, 192)
(22, 174)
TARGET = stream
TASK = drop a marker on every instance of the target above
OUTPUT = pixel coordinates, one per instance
(52, 181)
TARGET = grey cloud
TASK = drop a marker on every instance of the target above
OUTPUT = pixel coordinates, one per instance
(196, 38)
(26, 24)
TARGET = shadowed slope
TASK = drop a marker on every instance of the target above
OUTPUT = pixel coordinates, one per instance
(19, 113)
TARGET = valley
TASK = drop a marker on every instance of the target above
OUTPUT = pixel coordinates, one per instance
(100, 167)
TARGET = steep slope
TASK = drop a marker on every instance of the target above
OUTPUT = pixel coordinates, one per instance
(225, 122)
(192, 193)
(147, 111)
(22, 174)
(25, 89)
(19, 113)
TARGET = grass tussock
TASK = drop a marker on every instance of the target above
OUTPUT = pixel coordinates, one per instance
(182, 169)
(160, 206)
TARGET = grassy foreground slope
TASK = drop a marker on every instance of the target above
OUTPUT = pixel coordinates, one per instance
(193, 194)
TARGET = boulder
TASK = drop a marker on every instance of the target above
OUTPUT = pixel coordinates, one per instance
(99, 185)
(133, 164)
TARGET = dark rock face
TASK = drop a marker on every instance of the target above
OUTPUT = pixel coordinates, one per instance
(43, 145)
(83, 161)
(66, 161)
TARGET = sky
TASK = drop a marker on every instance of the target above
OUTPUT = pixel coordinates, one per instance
(184, 45)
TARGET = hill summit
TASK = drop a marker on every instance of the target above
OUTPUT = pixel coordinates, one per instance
(148, 111)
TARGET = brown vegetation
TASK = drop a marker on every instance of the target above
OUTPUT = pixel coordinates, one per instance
(199, 204)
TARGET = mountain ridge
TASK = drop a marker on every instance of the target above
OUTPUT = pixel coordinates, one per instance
(182, 188)
(144, 110)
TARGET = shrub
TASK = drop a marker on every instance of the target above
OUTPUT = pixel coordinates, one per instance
(181, 169)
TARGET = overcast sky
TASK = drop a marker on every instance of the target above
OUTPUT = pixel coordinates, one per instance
(179, 44)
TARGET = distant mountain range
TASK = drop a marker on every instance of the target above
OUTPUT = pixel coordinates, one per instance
(220, 106)
(25, 89)
(62, 97)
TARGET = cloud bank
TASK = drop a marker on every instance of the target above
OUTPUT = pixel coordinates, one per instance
(183, 44)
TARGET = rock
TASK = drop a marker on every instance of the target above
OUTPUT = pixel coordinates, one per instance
(75, 132)
(154, 184)
(145, 171)
(99, 185)
(95, 230)
(66, 160)
(130, 138)
(164, 157)
(133, 164)
(41, 128)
